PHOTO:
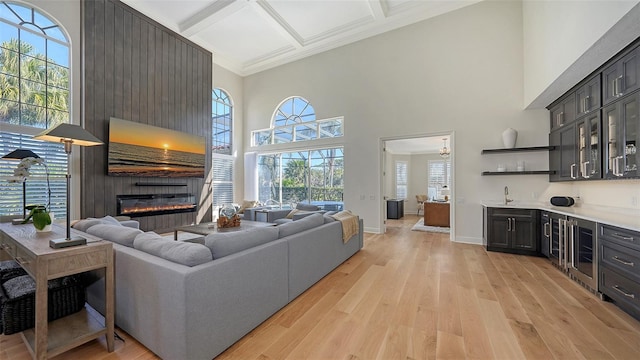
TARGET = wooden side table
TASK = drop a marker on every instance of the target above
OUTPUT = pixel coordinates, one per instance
(31, 250)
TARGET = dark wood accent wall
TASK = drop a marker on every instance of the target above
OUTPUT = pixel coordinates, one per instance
(138, 70)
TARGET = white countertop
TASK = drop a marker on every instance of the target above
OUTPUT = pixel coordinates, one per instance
(625, 218)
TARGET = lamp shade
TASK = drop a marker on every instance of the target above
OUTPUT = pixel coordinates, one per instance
(19, 154)
(69, 133)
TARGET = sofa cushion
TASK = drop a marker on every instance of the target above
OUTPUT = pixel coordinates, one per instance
(328, 218)
(303, 224)
(107, 220)
(307, 207)
(222, 244)
(119, 234)
(85, 224)
(185, 253)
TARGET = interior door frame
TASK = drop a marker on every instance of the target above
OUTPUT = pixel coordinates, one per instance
(382, 163)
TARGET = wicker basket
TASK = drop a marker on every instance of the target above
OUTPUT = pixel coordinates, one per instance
(17, 304)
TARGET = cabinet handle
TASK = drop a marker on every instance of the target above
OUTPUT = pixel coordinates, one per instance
(587, 101)
(618, 85)
(572, 240)
(616, 167)
(618, 289)
(546, 229)
(514, 223)
(622, 261)
(585, 170)
(573, 167)
(620, 236)
(508, 224)
(561, 240)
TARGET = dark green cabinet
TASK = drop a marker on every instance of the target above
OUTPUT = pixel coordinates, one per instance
(511, 230)
(588, 147)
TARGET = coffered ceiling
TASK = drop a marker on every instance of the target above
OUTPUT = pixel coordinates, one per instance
(248, 36)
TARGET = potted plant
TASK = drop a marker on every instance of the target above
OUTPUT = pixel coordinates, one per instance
(41, 217)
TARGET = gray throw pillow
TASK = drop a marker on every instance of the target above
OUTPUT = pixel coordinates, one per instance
(222, 244)
(119, 234)
(185, 253)
(301, 225)
(307, 207)
(328, 218)
(85, 224)
(107, 220)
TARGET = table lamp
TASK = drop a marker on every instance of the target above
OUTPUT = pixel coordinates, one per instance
(19, 154)
(68, 134)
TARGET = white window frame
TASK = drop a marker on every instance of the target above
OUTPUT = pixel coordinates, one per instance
(402, 185)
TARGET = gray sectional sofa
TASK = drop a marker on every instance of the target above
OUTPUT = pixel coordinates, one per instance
(196, 312)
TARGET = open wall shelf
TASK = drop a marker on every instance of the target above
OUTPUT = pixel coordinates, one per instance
(515, 150)
(536, 172)
(521, 149)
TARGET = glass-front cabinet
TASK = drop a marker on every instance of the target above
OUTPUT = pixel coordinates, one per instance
(588, 129)
(621, 125)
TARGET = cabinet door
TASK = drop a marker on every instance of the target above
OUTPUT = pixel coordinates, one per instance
(622, 77)
(562, 159)
(563, 112)
(621, 128)
(588, 97)
(545, 233)
(588, 134)
(583, 246)
(499, 231)
(524, 232)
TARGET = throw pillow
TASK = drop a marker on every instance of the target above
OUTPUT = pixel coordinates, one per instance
(247, 204)
(119, 234)
(85, 224)
(223, 244)
(185, 253)
(307, 207)
(301, 225)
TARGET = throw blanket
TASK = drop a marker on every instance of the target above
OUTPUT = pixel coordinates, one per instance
(350, 224)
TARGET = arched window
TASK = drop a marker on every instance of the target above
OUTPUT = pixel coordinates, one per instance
(222, 119)
(221, 148)
(34, 95)
(295, 120)
(310, 175)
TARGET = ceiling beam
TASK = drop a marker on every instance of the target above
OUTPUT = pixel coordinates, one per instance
(378, 10)
(210, 15)
(279, 23)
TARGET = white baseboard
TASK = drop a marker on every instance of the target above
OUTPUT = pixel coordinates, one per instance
(468, 240)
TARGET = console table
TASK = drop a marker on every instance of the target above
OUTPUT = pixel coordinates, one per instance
(31, 250)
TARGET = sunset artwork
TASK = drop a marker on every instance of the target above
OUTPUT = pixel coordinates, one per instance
(137, 149)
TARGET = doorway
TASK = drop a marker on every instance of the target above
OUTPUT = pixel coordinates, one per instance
(413, 165)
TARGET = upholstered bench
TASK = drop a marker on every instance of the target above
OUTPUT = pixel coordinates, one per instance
(17, 298)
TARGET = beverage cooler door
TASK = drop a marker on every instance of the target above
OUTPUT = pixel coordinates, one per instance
(583, 251)
(557, 239)
(545, 233)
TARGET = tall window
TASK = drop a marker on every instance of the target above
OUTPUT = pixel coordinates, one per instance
(295, 120)
(438, 176)
(310, 175)
(401, 179)
(221, 147)
(34, 95)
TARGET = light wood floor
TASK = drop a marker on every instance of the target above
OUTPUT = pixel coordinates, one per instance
(415, 295)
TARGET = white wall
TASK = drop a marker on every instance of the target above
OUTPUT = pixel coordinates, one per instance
(564, 41)
(233, 85)
(459, 72)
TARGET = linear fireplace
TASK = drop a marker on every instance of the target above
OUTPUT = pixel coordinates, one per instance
(155, 204)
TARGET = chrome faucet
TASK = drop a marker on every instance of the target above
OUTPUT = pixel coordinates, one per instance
(506, 196)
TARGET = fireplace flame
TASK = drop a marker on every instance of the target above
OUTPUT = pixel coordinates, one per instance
(169, 207)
